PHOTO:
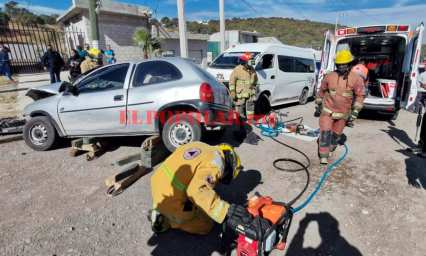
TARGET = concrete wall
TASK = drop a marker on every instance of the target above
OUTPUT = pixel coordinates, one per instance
(193, 45)
(115, 30)
(77, 23)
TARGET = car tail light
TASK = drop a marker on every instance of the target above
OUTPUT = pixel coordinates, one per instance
(389, 109)
(351, 31)
(392, 28)
(206, 93)
(341, 32)
(403, 28)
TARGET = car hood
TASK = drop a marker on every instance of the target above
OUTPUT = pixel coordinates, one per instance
(44, 91)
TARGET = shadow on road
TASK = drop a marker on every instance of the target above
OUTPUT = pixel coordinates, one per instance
(332, 242)
(176, 242)
(415, 165)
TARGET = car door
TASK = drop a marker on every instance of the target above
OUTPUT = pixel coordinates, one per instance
(410, 69)
(327, 56)
(266, 71)
(95, 109)
(153, 84)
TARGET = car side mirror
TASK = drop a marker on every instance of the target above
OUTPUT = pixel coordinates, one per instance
(70, 90)
(259, 65)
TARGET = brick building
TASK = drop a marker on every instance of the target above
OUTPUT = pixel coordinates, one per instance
(116, 21)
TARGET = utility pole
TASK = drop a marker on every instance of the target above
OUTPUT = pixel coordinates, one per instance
(94, 29)
(339, 15)
(182, 29)
(222, 25)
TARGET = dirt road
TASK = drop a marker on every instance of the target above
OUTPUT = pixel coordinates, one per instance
(373, 203)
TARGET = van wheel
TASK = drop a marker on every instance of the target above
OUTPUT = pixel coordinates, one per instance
(395, 116)
(40, 134)
(263, 105)
(177, 134)
(304, 97)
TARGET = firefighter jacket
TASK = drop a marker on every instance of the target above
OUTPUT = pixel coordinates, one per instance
(336, 94)
(88, 64)
(182, 187)
(243, 82)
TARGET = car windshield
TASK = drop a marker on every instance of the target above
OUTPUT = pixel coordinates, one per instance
(79, 77)
(230, 60)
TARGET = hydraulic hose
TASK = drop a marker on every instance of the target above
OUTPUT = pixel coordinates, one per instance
(322, 180)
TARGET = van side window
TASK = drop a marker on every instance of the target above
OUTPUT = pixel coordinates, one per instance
(286, 63)
(268, 61)
(327, 53)
(304, 65)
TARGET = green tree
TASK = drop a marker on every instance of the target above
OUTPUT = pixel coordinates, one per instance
(143, 38)
(28, 18)
(165, 19)
(4, 20)
(48, 19)
(11, 8)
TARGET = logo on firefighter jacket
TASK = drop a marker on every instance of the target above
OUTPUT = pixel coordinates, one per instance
(191, 153)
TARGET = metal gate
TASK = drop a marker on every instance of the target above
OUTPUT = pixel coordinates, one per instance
(27, 43)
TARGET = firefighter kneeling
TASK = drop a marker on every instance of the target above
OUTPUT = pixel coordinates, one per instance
(334, 104)
(183, 188)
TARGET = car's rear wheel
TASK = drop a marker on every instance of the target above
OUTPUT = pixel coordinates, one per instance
(263, 105)
(40, 134)
(177, 134)
(304, 97)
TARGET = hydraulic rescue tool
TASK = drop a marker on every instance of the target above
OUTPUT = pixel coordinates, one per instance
(268, 222)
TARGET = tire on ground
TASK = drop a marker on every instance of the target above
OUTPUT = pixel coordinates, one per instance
(194, 130)
(263, 105)
(304, 97)
(51, 133)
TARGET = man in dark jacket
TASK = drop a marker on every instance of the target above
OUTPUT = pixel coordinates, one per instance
(53, 61)
(5, 62)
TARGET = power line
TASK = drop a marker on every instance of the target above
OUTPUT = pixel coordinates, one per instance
(361, 11)
(253, 8)
(293, 8)
(304, 7)
(331, 7)
(340, 6)
(240, 7)
(272, 8)
(158, 1)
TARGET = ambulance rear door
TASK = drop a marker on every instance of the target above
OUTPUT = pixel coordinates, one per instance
(327, 58)
(410, 69)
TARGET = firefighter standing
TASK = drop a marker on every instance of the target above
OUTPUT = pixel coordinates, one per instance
(243, 85)
(334, 103)
(183, 188)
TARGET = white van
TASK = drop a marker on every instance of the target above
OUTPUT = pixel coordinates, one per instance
(393, 85)
(286, 74)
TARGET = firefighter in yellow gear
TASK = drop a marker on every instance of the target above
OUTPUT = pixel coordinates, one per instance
(243, 85)
(183, 188)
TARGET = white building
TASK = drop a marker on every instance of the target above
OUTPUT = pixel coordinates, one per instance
(116, 23)
(234, 37)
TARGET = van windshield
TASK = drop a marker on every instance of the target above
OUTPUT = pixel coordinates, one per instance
(229, 60)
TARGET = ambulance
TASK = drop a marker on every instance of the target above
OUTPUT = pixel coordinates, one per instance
(394, 52)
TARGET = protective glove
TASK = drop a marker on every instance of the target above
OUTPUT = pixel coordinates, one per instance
(238, 213)
(233, 95)
(353, 115)
(318, 109)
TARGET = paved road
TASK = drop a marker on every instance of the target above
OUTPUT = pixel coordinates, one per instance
(373, 203)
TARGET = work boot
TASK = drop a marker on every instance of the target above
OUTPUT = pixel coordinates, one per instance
(324, 160)
(156, 220)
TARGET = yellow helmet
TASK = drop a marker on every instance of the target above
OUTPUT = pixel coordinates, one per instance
(236, 162)
(344, 57)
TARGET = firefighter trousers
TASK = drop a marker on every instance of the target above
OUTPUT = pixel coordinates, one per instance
(246, 109)
(331, 131)
(201, 225)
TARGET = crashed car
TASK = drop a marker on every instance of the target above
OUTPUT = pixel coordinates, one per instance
(158, 96)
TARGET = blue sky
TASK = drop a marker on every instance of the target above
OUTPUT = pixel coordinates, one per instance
(360, 12)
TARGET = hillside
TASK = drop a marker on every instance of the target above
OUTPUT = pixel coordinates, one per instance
(289, 31)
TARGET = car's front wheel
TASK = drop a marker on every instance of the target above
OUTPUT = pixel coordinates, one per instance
(40, 134)
(176, 134)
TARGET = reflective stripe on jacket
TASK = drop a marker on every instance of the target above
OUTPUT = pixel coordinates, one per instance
(337, 94)
(183, 186)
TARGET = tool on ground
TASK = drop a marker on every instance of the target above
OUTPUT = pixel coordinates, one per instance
(95, 146)
(118, 182)
(268, 228)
